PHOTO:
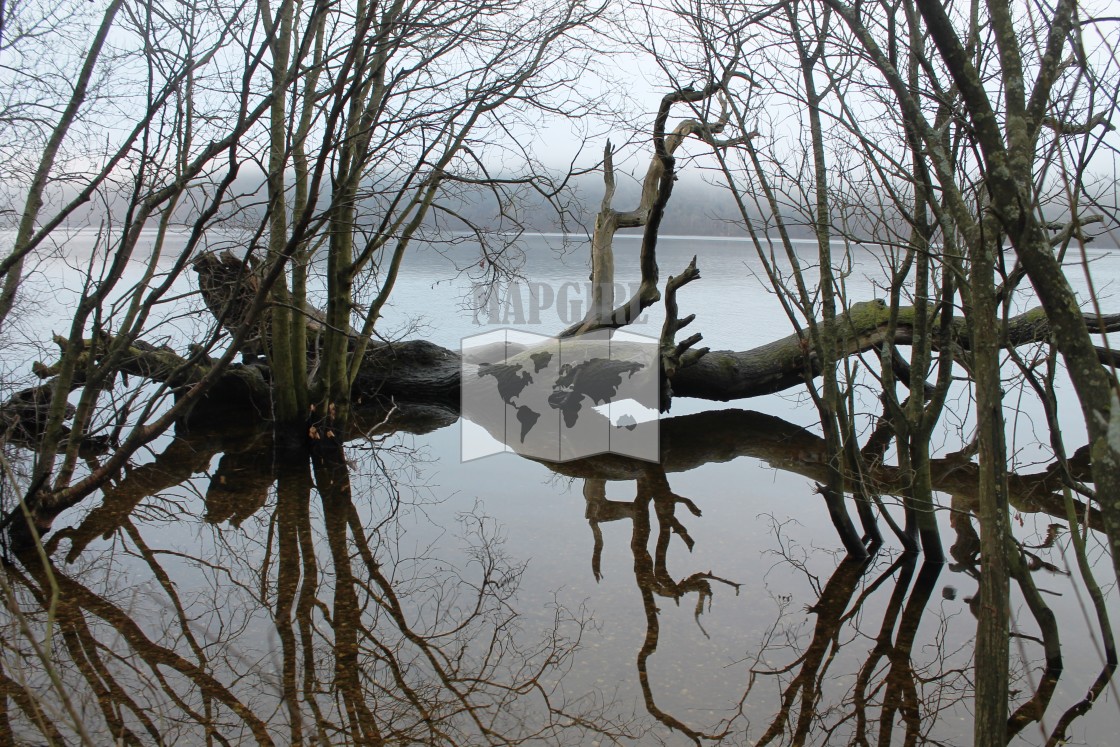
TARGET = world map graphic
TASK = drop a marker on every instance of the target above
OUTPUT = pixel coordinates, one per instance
(563, 399)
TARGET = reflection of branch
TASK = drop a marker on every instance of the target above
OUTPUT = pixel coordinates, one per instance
(1058, 734)
(463, 656)
(652, 571)
(246, 462)
(901, 691)
(691, 441)
(296, 570)
(392, 673)
(332, 475)
(599, 509)
(9, 688)
(653, 579)
(75, 601)
(829, 610)
(883, 645)
(237, 489)
(895, 686)
(1033, 709)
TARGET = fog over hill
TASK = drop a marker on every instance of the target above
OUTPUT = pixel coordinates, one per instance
(698, 207)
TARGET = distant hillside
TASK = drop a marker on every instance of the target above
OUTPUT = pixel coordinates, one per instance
(696, 209)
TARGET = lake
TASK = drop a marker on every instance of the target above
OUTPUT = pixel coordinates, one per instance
(222, 592)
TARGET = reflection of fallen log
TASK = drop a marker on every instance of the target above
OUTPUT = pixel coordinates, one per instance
(687, 442)
(239, 484)
(690, 441)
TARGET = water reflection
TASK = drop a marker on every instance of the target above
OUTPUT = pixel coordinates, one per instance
(310, 625)
(280, 599)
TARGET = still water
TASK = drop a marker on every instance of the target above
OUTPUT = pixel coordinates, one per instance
(223, 592)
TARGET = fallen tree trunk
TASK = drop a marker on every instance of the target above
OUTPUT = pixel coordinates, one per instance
(422, 372)
(725, 375)
(418, 370)
(426, 375)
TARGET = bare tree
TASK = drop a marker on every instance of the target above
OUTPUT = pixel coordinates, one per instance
(363, 125)
(954, 175)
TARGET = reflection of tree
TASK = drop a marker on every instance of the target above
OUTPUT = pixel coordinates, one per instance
(652, 571)
(311, 627)
(691, 441)
(814, 662)
(891, 690)
(321, 633)
(1022, 562)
